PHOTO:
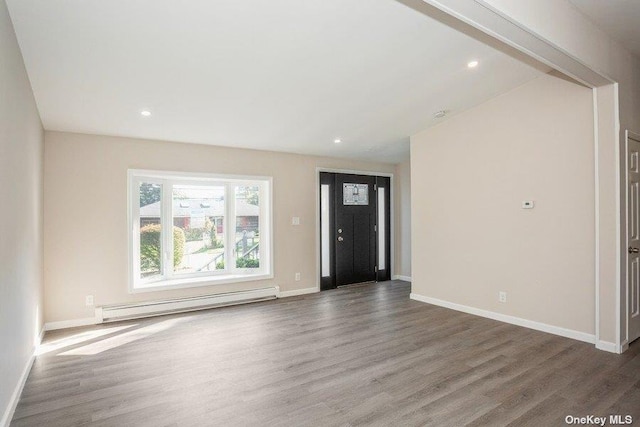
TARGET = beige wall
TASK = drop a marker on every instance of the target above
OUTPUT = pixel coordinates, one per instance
(21, 139)
(469, 176)
(402, 212)
(86, 213)
(577, 35)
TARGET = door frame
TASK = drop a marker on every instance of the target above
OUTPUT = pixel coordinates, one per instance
(391, 214)
(624, 304)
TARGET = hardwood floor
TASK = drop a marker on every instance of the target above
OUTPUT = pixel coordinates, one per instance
(364, 355)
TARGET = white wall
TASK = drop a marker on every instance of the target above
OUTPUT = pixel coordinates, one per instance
(21, 140)
(402, 199)
(472, 239)
(86, 213)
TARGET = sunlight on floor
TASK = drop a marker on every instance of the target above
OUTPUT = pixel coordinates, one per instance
(121, 339)
(77, 339)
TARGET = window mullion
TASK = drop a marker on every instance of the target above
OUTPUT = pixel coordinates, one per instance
(262, 225)
(267, 219)
(231, 227)
(167, 229)
(135, 226)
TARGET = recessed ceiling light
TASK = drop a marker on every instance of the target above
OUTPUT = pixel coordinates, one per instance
(145, 113)
(472, 64)
(337, 141)
(439, 114)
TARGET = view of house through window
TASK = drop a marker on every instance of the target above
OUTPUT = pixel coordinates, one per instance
(188, 227)
(196, 212)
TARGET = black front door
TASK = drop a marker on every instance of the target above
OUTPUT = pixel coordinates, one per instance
(355, 229)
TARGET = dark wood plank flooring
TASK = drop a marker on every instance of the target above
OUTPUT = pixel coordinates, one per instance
(362, 355)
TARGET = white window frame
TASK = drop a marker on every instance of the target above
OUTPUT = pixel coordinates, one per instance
(230, 274)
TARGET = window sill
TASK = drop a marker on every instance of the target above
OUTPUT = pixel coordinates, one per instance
(196, 282)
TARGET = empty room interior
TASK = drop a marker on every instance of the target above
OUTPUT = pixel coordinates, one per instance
(318, 213)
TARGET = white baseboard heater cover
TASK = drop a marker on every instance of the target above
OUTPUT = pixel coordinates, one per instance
(112, 313)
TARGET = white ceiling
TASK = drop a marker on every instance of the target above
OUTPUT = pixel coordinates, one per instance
(619, 18)
(284, 75)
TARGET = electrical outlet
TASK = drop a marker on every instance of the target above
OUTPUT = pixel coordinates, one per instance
(502, 296)
(297, 277)
(89, 301)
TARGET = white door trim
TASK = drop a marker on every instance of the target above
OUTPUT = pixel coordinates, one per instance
(619, 229)
(596, 164)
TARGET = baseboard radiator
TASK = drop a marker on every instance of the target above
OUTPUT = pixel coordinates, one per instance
(112, 313)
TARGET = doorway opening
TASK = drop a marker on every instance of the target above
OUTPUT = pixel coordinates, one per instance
(355, 229)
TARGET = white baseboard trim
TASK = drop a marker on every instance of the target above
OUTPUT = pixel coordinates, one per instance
(611, 347)
(17, 391)
(296, 292)
(399, 277)
(73, 323)
(538, 326)
(624, 346)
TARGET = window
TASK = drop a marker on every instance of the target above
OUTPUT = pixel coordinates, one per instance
(196, 230)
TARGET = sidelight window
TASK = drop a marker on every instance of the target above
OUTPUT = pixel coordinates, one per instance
(196, 230)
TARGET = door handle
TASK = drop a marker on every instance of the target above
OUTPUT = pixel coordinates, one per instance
(633, 250)
(340, 238)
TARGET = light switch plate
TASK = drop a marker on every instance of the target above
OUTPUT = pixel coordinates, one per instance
(528, 204)
(295, 220)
